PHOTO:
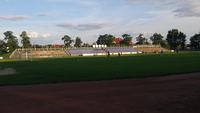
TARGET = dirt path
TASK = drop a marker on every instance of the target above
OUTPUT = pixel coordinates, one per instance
(173, 94)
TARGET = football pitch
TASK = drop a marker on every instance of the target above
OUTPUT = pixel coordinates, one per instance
(76, 69)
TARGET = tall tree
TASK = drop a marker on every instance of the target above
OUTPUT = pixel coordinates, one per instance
(141, 40)
(2, 46)
(67, 40)
(176, 39)
(25, 40)
(127, 39)
(195, 42)
(106, 39)
(157, 39)
(11, 40)
(78, 42)
(86, 45)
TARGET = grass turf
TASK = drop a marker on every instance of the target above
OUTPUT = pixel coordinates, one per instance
(40, 71)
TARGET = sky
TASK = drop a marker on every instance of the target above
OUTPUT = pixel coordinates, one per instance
(47, 21)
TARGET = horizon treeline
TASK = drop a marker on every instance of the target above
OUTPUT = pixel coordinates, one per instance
(175, 40)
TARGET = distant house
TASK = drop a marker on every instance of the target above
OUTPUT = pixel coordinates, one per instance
(118, 40)
(57, 46)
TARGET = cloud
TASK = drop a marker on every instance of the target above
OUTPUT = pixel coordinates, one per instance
(186, 12)
(45, 35)
(39, 35)
(13, 18)
(83, 27)
(188, 8)
(180, 8)
(33, 34)
(81, 2)
(43, 14)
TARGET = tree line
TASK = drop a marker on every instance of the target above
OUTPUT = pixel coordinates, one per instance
(175, 40)
(10, 42)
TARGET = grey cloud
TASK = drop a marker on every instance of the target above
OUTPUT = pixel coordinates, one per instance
(186, 12)
(180, 8)
(83, 27)
(13, 18)
(43, 14)
(188, 8)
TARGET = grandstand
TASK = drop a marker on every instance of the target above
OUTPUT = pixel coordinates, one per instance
(38, 53)
(101, 51)
(61, 52)
(150, 49)
(121, 50)
(86, 52)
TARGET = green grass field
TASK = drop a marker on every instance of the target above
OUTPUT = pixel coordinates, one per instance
(41, 71)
